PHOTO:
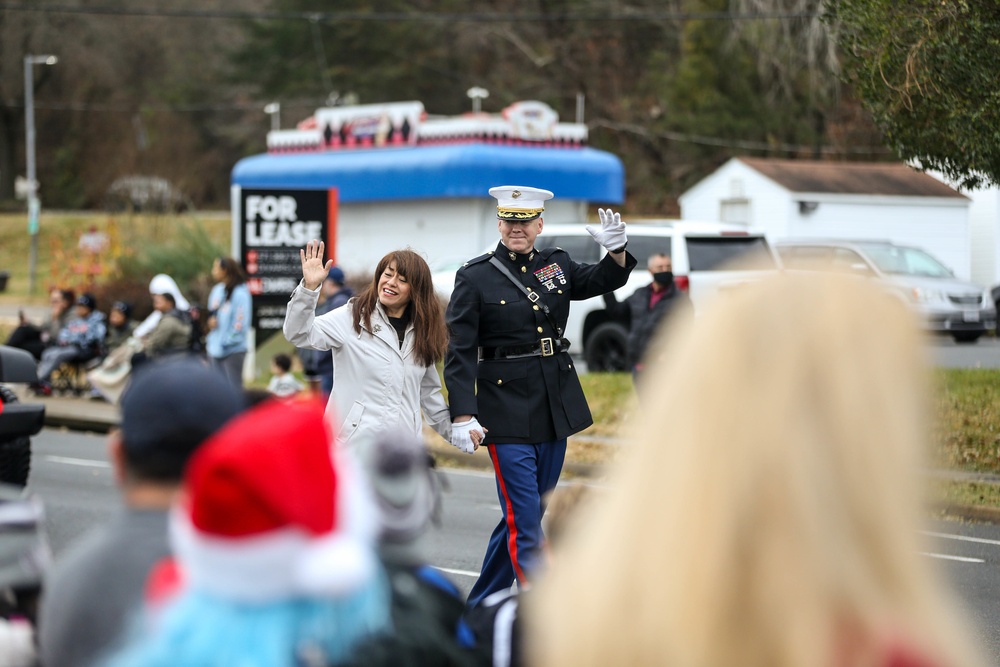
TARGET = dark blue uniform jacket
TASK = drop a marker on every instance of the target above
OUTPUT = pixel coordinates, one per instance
(527, 400)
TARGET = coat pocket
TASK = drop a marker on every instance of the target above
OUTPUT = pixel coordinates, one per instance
(499, 309)
(350, 425)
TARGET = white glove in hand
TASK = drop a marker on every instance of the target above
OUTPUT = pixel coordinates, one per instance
(461, 435)
(611, 235)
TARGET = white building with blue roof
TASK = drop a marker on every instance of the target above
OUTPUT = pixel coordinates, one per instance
(375, 178)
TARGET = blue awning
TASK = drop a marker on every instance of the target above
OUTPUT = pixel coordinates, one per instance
(434, 172)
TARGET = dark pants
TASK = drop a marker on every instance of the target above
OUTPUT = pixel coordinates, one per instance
(524, 474)
(28, 337)
(231, 366)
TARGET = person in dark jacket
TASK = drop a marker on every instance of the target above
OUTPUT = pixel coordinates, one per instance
(511, 382)
(35, 339)
(647, 308)
(120, 325)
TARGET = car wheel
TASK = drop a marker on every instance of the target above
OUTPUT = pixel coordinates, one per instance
(606, 348)
(967, 336)
(15, 453)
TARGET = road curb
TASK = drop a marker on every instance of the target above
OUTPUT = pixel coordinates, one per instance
(481, 461)
(77, 422)
(972, 512)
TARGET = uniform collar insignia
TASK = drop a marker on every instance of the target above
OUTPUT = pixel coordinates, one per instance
(512, 255)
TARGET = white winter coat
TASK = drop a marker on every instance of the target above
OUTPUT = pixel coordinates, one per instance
(376, 385)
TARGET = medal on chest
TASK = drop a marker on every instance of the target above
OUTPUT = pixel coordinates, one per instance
(549, 275)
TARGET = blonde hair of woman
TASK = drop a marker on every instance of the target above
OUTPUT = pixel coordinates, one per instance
(768, 511)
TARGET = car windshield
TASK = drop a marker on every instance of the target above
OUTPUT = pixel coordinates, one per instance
(905, 261)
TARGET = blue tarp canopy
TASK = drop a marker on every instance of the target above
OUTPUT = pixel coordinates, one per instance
(433, 172)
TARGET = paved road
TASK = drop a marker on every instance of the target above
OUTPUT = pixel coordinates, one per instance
(72, 475)
(984, 353)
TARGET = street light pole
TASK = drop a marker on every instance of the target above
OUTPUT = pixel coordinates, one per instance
(34, 205)
(274, 110)
(477, 95)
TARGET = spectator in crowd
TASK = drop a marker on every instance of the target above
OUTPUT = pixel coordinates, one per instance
(81, 339)
(169, 409)
(768, 510)
(274, 536)
(120, 325)
(283, 384)
(385, 345)
(319, 363)
(35, 339)
(161, 284)
(111, 377)
(172, 333)
(647, 308)
(426, 606)
(230, 312)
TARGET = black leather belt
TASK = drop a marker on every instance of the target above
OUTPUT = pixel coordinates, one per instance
(546, 347)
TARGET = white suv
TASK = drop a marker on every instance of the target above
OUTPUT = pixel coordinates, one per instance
(702, 255)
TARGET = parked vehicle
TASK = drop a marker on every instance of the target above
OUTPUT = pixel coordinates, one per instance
(703, 256)
(961, 309)
(18, 422)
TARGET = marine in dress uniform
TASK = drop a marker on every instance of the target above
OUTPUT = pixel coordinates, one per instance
(508, 368)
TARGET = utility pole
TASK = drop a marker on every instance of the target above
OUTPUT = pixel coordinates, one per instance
(34, 205)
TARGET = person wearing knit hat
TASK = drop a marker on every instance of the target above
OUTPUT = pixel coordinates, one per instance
(81, 339)
(427, 607)
(274, 537)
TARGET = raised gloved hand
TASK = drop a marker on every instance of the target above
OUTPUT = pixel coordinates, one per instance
(461, 435)
(611, 235)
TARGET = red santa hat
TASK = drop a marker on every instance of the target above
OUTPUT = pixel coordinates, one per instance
(270, 511)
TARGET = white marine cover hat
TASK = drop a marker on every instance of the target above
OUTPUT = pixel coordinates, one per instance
(519, 203)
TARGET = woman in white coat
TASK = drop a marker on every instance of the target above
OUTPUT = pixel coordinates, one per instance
(385, 344)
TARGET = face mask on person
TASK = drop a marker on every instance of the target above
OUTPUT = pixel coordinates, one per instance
(665, 278)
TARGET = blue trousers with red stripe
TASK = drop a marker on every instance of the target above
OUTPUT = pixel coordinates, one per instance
(524, 474)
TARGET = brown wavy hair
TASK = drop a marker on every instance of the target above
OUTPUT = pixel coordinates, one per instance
(425, 309)
(234, 274)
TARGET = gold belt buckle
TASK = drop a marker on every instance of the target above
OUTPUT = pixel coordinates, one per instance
(547, 348)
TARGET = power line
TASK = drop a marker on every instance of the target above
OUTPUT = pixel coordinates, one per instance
(780, 147)
(382, 17)
(192, 108)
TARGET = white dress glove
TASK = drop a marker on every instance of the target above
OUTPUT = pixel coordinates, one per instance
(611, 235)
(461, 435)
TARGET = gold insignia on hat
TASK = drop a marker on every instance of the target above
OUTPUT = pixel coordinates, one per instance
(518, 213)
(519, 203)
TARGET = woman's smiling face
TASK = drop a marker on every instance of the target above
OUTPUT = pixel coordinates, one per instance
(393, 290)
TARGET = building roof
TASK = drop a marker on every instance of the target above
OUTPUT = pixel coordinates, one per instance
(440, 171)
(858, 178)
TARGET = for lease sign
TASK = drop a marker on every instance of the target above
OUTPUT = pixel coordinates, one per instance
(270, 227)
